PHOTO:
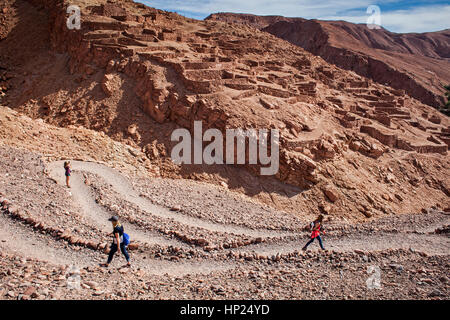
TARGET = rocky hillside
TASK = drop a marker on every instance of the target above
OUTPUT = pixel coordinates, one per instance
(416, 63)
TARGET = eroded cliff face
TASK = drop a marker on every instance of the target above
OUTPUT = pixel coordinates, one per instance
(416, 63)
(137, 73)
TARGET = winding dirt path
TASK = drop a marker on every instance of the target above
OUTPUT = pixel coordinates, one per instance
(18, 238)
(431, 244)
(122, 186)
(22, 240)
(98, 216)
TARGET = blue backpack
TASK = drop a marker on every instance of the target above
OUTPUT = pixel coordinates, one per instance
(126, 239)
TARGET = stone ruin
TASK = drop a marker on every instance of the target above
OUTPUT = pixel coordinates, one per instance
(181, 72)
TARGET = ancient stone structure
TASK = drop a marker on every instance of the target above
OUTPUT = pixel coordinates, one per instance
(227, 78)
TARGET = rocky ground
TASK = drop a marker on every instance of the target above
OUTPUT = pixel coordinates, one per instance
(369, 158)
(404, 275)
(42, 258)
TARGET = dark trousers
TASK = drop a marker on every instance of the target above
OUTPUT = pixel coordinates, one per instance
(113, 250)
(311, 241)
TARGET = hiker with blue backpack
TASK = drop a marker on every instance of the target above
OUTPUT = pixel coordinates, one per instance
(121, 238)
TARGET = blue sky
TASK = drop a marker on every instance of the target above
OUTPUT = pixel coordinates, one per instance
(396, 16)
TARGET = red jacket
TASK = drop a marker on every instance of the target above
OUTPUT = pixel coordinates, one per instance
(316, 230)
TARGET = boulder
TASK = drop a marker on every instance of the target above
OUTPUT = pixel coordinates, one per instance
(133, 246)
(331, 193)
(355, 145)
(107, 84)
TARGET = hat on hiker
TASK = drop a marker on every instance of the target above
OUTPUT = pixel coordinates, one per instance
(113, 218)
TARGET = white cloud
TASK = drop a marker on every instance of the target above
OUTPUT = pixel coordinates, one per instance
(418, 19)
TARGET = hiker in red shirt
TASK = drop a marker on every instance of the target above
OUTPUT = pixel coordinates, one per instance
(316, 228)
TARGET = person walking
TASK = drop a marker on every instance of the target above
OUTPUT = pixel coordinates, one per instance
(68, 172)
(120, 241)
(316, 228)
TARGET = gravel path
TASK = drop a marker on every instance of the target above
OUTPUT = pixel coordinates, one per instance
(125, 189)
(98, 216)
(431, 244)
(19, 239)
